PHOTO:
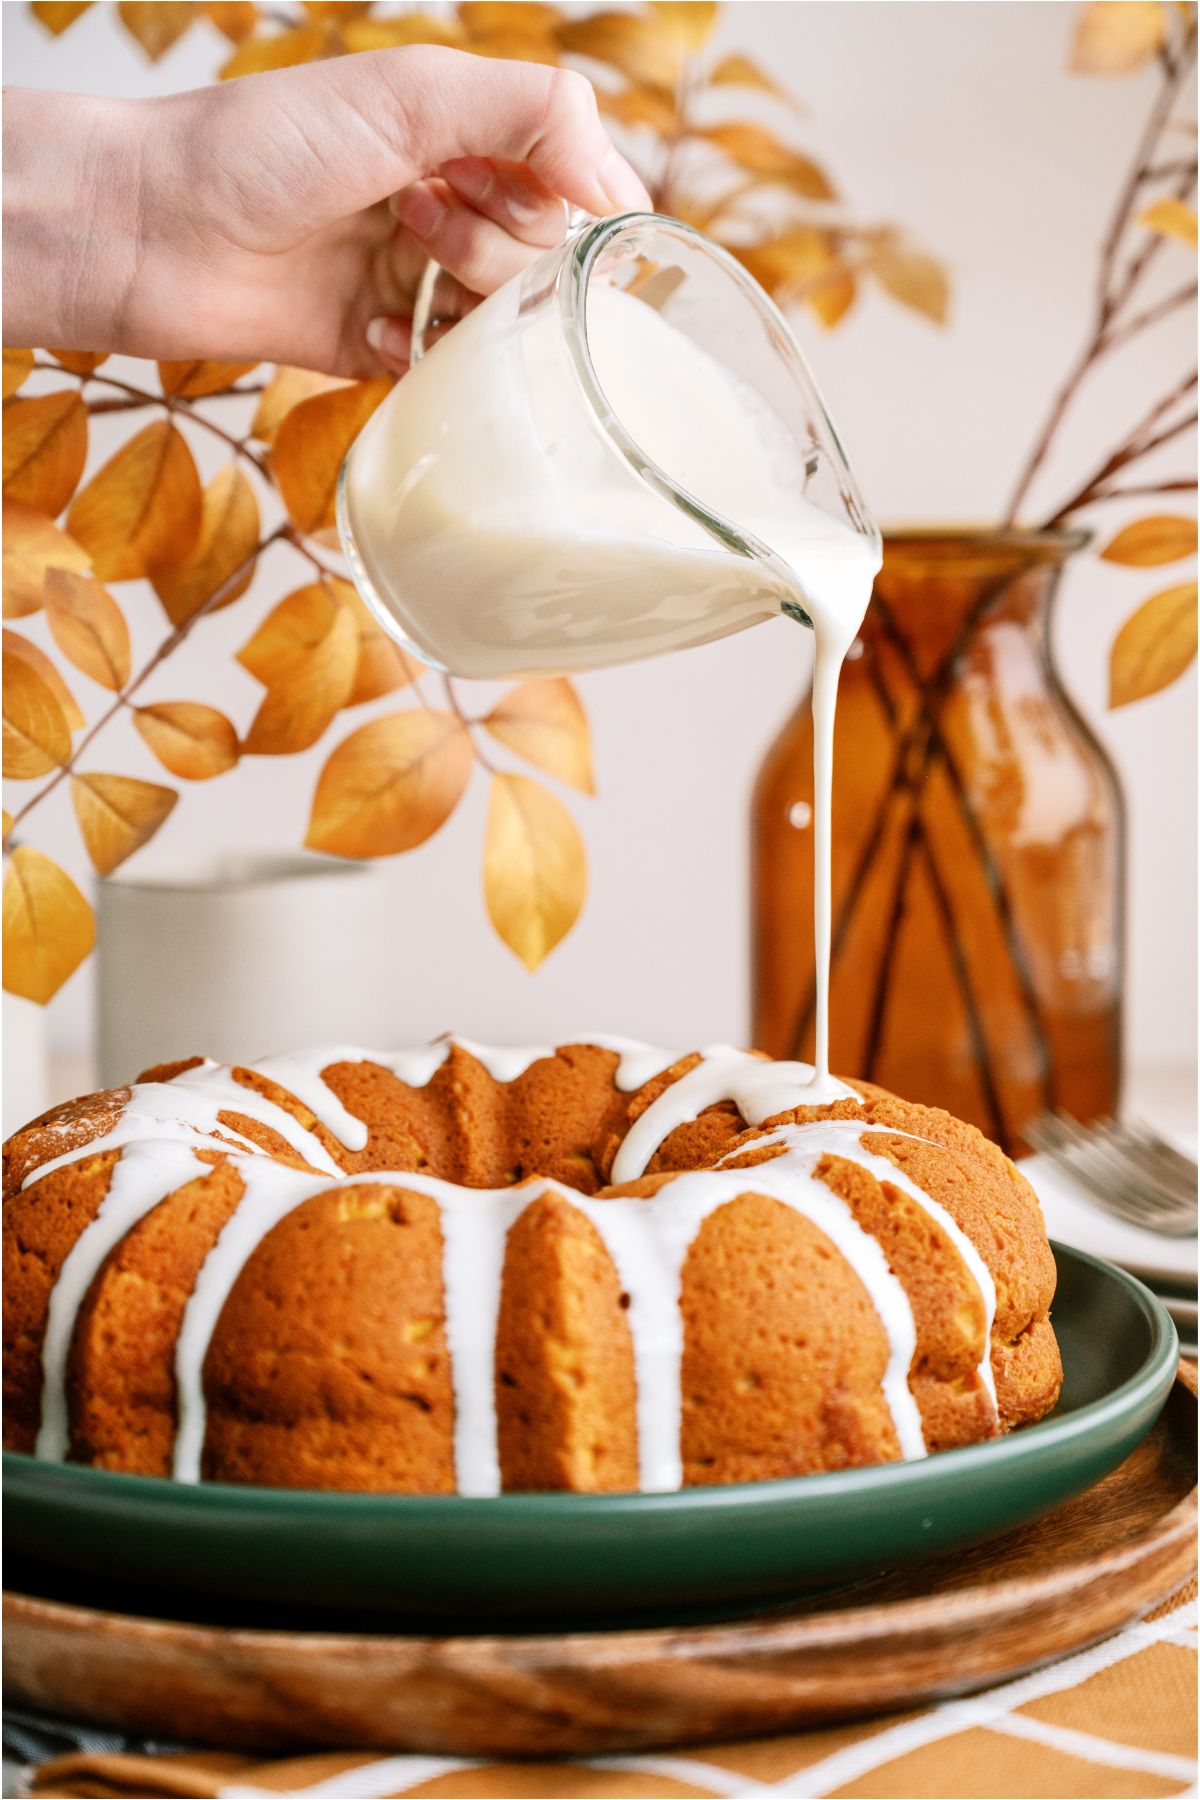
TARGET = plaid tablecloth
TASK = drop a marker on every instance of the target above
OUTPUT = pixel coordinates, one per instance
(1117, 1719)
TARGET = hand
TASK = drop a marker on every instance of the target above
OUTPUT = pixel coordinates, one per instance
(287, 217)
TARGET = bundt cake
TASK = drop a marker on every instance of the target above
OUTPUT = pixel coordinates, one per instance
(597, 1267)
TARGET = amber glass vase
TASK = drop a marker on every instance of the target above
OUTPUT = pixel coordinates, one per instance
(978, 846)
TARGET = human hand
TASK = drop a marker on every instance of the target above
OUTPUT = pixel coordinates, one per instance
(287, 217)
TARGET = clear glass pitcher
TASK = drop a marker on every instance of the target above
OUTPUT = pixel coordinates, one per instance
(613, 456)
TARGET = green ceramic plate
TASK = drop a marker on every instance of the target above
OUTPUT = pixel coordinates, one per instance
(599, 1559)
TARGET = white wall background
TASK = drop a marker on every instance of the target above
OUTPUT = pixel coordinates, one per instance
(961, 121)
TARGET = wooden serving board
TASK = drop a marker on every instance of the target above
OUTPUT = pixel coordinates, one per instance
(981, 1617)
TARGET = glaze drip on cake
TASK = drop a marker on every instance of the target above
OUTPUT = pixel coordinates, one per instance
(834, 1173)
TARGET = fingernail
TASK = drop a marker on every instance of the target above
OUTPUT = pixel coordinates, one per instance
(474, 179)
(480, 183)
(522, 211)
(420, 210)
(621, 183)
(388, 338)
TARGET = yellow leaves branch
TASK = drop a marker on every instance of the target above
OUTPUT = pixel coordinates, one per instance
(534, 867)
(48, 925)
(31, 708)
(1155, 646)
(1117, 37)
(117, 814)
(1157, 643)
(395, 781)
(1114, 37)
(391, 784)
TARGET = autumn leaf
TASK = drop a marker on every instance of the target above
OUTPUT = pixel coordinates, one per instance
(283, 50)
(914, 279)
(803, 265)
(286, 388)
(1171, 218)
(36, 738)
(33, 544)
(193, 380)
(740, 71)
(88, 626)
(117, 815)
(228, 539)
(760, 152)
(156, 24)
(141, 512)
(45, 447)
(544, 722)
(48, 925)
(299, 622)
(80, 362)
(299, 705)
(391, 784)
(332, 9)
(16, 645)
(382, 665)
(311, 444)
(691, 21)
(406, 28)
(56, 15)
(17, 365)
(522, 29)
(789, 260)
(194, 742)
(1115, 36)
(534, 867)
(293, 627)
(483, 18)
(832, 295)
(638, 106)
(234, 19)
(1161, 538)
(1154, 646)
(638, 44)
(518, 46)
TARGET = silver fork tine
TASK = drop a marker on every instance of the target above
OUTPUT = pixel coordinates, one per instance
(1138, 1194)
(1146, 1134)
(1128, 1152)
(1123, 1170)
(1167, 1166)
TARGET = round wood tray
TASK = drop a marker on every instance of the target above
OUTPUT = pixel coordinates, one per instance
(982, 1616)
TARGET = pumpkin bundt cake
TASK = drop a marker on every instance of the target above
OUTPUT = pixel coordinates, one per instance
(597, 1267)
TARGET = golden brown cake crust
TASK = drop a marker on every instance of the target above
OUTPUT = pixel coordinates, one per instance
(329, 1364)
(329, 1367)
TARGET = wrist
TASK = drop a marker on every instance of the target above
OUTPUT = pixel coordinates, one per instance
(74, 176)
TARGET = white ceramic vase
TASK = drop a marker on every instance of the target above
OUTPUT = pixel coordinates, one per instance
(26, 1062)
(239, 959)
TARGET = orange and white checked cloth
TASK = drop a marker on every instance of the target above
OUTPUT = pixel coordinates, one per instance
(1118, 1719)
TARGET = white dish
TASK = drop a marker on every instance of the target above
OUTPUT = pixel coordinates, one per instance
(1073, 1219)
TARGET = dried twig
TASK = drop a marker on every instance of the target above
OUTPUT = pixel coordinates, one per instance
(1114, 290)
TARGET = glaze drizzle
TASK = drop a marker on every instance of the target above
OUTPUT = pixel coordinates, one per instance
(163, 1125)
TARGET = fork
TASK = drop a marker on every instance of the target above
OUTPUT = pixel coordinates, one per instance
(1128, 1170)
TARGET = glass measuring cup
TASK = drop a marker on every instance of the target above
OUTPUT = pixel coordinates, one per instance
(621, 452)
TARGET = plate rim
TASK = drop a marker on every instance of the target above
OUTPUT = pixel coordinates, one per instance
(778, 1633)
(1156, 1370)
